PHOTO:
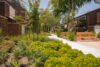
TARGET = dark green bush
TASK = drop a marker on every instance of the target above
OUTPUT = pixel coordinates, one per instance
(58, 32)
(3, 56)
(1, 39)
(20, 50)
(65, 30)
(71, 36)
(98, 35)
(86, 61)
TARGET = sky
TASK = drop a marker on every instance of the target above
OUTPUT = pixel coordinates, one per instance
(84, 9)
(44, 4)
(87, 8)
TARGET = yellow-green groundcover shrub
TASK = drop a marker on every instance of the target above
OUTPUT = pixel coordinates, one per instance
(58, 62)
(57, 54)
(86, 61)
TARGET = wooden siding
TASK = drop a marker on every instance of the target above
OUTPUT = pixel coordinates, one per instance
(92, 19)
(4, 9)
(98, 17)
(7, 22)
(3, 23)
(9, 28)
(13, 29)
(7, 10)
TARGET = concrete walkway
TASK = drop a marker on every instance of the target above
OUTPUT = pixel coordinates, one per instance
(91, 44)
(75, 45)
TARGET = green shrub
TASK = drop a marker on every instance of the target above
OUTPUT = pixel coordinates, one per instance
(1, 36)
(15, 63)
(1, 39)
(86, 61)
(98, 61)
(63, 50)
(45, 50)
(66, 46)
(1, 33)
(58, 32)
(58, 62)
(51, 53)
(73, 53)
(65, 30)
(98, 35)
(20, 50)
(51, 45)
(3, 56)
(71, 36)
(55, 54)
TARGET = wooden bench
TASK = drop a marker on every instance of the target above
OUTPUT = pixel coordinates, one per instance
(86, 35)
(64, 33)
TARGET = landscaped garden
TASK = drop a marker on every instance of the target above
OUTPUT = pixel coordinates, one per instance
(35, 49)
(45, 53)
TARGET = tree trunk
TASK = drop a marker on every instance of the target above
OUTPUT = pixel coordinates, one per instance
(73, 14)
(37, 36)
(33, 36)
(29, 33)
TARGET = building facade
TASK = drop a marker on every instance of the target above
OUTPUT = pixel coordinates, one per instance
(8, 24)
(88, 21)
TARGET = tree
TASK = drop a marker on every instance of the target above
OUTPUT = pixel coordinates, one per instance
(18, 2)
(32, 9)
(35, 18)
(63, 7)
(48, 20)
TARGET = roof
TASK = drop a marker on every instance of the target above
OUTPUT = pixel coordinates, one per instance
(88, 12)
(87, 7)
(14, 5)
(3, 17)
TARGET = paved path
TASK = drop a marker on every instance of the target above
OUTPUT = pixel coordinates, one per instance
(93, 44)
(75, 45)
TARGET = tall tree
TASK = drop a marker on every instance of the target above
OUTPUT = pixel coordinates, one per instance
(62, 7)
(32, 9)
(35, 18)
(48, 20)
(17, 2)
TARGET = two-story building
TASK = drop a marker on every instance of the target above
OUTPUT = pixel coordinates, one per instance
(89, 21)
(8, 23)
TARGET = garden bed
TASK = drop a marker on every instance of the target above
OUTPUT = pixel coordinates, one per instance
(46, 53)
(7, 45)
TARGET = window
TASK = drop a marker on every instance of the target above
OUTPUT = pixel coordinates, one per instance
(83, 18)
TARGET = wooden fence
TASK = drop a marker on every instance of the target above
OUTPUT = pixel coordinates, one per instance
(9, 28)
(3, 24)
(83, 35)
(13, 29)
(86, 35)
(64, 33)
